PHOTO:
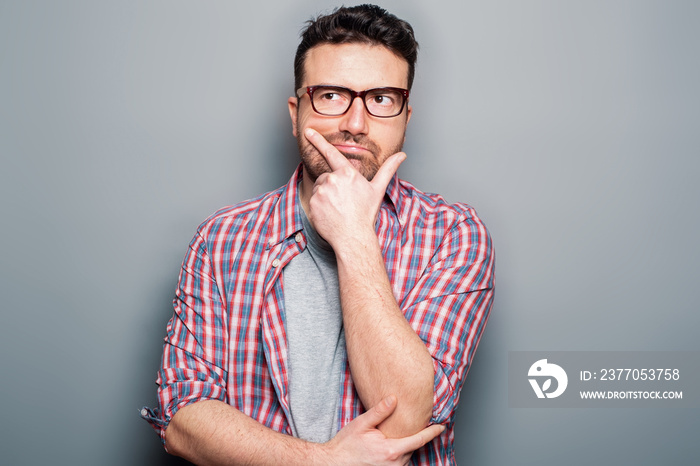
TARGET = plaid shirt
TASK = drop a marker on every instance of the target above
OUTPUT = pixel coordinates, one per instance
(226, 340)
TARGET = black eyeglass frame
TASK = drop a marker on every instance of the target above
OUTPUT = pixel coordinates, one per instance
(309, 90)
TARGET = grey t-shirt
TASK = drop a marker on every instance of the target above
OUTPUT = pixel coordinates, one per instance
(316, 342)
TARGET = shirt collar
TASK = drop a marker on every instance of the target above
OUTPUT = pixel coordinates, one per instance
(287, 217)
(396, 199)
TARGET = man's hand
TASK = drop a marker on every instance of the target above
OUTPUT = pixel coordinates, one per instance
(343, 204)
(360, 442)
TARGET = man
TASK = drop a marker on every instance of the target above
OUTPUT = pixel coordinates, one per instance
(333, 320)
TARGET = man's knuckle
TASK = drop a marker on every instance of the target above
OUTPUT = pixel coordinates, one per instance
(393, 454)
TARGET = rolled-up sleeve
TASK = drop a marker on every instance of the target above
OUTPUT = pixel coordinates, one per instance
(196, 344)
(449, 306)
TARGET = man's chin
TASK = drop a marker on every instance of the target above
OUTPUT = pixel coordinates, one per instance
(357, 164)
(314, 169)
(361, 165)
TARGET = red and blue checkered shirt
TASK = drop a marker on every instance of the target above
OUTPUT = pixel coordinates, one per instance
(226, 340)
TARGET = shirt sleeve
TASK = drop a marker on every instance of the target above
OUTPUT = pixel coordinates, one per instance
(449, 306)
(196, 343)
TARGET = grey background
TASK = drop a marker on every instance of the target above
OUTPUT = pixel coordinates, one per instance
(572, 127)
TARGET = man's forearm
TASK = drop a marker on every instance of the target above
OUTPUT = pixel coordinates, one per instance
(212, 432)
(385, 354)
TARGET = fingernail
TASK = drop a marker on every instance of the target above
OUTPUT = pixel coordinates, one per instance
(309, 132)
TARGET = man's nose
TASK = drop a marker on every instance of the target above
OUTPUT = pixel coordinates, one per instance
(355, 120)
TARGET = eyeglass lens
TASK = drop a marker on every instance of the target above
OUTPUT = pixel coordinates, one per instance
(382, 102)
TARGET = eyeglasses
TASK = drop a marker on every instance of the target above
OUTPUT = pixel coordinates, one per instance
(382, 102)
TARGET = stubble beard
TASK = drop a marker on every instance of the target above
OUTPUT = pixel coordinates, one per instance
(315, 164)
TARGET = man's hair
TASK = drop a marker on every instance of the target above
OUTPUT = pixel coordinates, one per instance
(366, 24)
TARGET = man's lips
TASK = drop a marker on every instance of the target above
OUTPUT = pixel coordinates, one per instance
(351, 148)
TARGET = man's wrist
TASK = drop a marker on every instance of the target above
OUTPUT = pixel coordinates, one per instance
(353, 245)
(320, 454)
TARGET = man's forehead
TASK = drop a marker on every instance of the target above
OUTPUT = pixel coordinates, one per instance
(351, 64)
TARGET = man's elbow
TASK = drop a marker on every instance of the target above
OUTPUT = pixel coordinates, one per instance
(174, 441)
(176, 433)
(413, 412)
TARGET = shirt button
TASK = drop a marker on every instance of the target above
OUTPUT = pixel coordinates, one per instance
(298, 238)
(276, 263)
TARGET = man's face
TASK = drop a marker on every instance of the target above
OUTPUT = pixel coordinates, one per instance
(367, 141)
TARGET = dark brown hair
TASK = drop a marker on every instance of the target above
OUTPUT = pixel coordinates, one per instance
(367, 24)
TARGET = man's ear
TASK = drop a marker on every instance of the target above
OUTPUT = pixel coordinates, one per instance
(293, 104)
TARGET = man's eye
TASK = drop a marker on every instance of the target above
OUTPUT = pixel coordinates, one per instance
(330, 96)
(384, 100)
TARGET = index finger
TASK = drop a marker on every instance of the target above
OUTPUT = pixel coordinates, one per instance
(415, 441)
(335, 159)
